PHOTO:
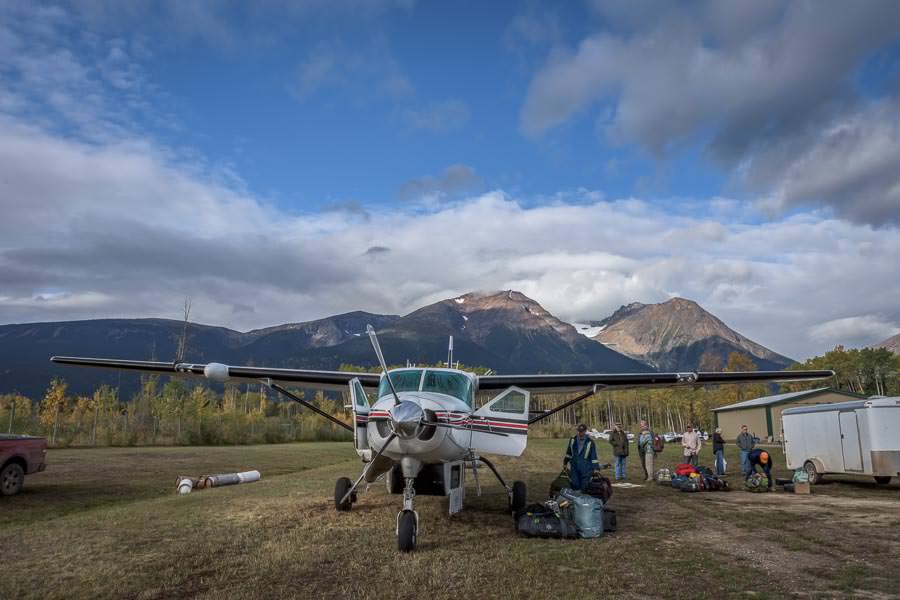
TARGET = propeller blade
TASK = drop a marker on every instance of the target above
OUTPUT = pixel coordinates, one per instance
(374, 339)
(460, 427)
(366, 470)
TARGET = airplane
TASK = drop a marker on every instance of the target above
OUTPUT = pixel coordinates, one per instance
(421, 429)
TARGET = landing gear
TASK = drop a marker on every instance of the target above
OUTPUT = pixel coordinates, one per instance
(407, 527)
(407, 520)
(882, 479)
(341, 487)
(518, 496)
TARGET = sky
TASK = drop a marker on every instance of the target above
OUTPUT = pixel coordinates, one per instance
(284, 161)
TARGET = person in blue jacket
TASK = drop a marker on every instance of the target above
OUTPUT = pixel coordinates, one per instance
(581, 459)
(760, 458)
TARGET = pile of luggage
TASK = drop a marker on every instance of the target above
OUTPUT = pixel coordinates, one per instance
(689, 478)
(569, 513)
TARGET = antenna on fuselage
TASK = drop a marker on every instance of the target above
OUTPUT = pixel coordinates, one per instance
(374, 339)
(450, 354)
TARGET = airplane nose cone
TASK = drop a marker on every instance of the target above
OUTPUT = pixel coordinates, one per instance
(406, 419)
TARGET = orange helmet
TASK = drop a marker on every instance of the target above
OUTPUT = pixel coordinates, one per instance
(764, 457)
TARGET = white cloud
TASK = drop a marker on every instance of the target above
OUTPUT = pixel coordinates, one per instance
(860, 330)
(769, 89)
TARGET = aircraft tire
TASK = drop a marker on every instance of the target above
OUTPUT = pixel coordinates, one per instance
(341, 487)
(519, 496)
(406, 531)
(882, 479)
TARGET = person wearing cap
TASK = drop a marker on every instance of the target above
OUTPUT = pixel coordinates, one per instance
(618, 439)
(761, 458)
(581, 459)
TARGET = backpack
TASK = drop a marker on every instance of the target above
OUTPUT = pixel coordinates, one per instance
(599, 487)
(561, 482)
(692, 484)
(658, 444)
(756, 483)
(664, 475)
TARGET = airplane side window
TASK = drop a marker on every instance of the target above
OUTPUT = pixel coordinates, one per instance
(513, 402)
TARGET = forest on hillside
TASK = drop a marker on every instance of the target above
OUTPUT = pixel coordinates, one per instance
(171, 411)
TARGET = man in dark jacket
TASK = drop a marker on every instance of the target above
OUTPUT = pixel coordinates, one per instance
(581, 459)
(719, 451)
(619, 441)
(762, 459)
(745, 444)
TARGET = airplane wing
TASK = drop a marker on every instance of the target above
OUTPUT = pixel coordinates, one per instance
(538, 384)
(320, 380)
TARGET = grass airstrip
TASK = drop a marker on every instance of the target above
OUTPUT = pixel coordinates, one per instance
(107, 523)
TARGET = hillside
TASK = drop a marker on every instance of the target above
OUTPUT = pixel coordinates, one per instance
(679, 335)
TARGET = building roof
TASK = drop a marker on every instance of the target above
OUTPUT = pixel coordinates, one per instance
(782, 398)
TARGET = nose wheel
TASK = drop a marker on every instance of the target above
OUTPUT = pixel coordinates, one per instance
(407, 530)
(518, 496)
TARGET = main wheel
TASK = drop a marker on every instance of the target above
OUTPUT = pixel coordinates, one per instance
(814, 476)
(11, 479)
(406, 531)
(341, 487)
(519, 496)
(882, 479)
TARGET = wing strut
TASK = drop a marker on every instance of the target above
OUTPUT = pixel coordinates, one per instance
(567, 404)
(277, 388)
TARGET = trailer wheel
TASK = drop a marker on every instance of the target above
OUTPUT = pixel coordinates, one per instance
(882, 479)
(814, 476)
(12, 477)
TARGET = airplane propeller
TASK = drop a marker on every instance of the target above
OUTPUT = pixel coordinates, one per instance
(374, 339)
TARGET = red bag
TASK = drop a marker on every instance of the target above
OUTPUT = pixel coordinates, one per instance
(684, 469)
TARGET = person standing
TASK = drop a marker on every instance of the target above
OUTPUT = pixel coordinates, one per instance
(690, 441)
(646, 451)
(719, 451)
(619, 441)
(581, 459)
(745, 444)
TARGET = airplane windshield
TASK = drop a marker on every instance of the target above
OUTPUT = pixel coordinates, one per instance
(406, 380)
(453, 384)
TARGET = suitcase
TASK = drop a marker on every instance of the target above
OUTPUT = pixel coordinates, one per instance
(609, 520)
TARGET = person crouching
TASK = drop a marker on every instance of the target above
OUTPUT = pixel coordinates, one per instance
(762, 459)
(581, 459)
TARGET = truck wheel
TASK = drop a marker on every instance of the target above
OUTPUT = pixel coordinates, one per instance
(814, 476)
(882, 479)
(11, 479)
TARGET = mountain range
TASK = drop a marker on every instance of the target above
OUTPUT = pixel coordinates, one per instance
(505, 331)
(892, 344)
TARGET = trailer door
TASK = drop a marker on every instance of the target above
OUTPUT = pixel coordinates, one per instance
(850, 442)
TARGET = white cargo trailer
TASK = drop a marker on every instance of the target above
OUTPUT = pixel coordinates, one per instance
(861, 437)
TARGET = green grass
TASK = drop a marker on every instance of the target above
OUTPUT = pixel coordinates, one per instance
(107, 523)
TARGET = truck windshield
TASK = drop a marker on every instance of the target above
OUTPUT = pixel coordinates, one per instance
(450, 383)
(406, 380)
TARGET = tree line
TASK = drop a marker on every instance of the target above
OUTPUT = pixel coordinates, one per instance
(174, 411)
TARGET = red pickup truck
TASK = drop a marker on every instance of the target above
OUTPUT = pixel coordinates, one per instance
(20, 455)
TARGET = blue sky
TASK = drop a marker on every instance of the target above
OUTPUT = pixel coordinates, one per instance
(588, 153)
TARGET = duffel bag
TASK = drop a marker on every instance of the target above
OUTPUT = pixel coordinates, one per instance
(678, 481)
(691, 485)
(588, 512)
(545, 526)
(684, 469)
(600, 487)
(756, 483)
(561, 482)
(535, 508)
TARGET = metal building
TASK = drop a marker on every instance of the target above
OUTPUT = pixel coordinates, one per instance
(763, 415)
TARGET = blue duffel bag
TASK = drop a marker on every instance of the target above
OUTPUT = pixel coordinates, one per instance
(588, 512)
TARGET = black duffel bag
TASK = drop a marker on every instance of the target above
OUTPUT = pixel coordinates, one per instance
(609, 520)
(546, 525)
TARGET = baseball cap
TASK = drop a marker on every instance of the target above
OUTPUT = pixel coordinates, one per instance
(581, 427)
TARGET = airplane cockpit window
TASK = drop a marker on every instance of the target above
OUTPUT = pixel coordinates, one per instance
(446, 382)
(406, 380)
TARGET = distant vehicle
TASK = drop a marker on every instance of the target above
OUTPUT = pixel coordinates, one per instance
(20, 455)
(671, 436)
(630, 437)
(860, 437)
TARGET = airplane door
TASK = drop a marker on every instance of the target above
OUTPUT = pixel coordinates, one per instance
(850, 442)
(506, 414)
(360, 403)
